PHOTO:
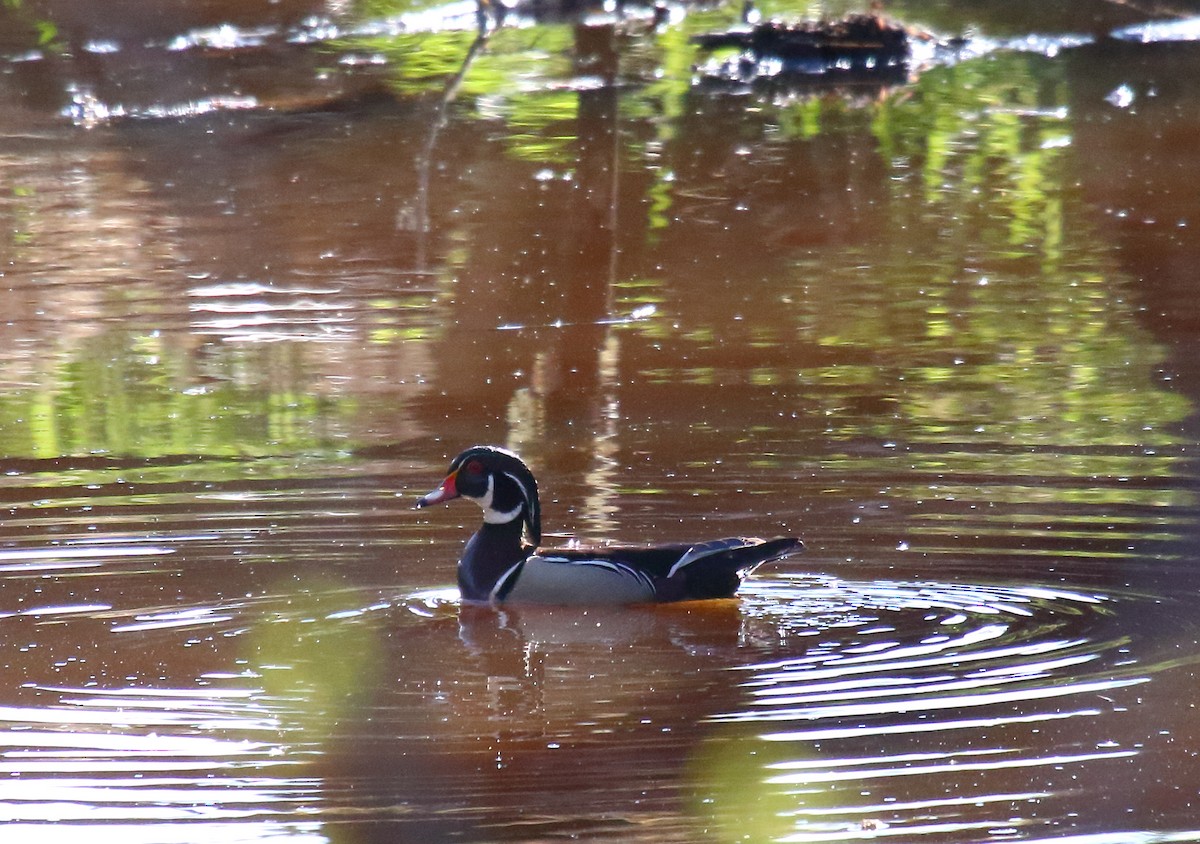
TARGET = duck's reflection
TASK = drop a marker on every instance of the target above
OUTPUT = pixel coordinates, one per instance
(550, 666)
(531, 718)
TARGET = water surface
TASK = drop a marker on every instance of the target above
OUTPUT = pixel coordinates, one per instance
(268, 267)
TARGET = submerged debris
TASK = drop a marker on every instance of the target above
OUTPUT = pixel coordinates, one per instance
(859, 46)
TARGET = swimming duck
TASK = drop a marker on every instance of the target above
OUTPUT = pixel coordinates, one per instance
(499, 567)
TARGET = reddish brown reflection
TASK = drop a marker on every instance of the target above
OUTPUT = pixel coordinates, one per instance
(940, 331)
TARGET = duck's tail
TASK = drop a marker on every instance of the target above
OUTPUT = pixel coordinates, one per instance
(715, 569)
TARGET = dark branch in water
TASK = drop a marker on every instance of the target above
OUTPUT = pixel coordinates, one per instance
(417, 218)
(859, 44)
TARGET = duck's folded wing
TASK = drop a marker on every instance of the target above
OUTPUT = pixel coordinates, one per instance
(664, 561)
(574, 580)
(623, 575)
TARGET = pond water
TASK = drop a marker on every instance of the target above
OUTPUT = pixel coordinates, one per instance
(266, 267)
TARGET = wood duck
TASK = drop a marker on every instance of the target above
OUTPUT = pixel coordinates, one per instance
(499, 567)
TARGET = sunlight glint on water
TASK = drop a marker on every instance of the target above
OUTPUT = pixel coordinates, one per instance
(267, 266)
(973, 700)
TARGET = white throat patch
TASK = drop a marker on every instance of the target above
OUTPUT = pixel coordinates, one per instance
(491, 516)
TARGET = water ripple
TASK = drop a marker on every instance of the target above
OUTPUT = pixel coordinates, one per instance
(921, 691)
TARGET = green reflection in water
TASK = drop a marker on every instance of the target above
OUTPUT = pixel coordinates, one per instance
(27, 25)
(541, 128)
(731, 797)
(991, 355)
(317, 667)
(420, 61)
(989, 140)
(137, 395)
(808, 9)
(511, 78)
(977, 295)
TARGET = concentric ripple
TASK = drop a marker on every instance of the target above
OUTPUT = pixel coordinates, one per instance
(987, 707)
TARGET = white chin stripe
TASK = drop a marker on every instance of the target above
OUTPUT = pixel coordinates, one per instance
(495, 517)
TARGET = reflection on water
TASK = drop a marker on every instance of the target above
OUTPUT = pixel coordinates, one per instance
(266, 268)
(953, 697)
(827, 709)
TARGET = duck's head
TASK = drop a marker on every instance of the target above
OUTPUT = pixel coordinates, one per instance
(498, 481)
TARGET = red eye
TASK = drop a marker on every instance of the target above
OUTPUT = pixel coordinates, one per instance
(474, 467)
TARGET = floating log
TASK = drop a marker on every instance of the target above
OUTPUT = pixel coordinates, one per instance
(860, 45)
